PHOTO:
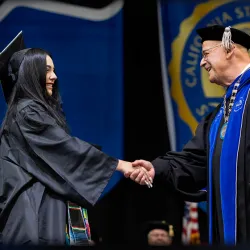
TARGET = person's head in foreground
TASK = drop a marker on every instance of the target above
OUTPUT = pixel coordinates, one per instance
(159, 233)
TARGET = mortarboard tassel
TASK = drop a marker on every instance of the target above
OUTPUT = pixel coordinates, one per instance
(227, 38)
(171, 231)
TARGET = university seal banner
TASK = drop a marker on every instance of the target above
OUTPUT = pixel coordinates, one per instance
(188, 93)
(87, 48)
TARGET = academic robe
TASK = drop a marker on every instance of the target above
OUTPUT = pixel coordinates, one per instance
(204, 165)
(41, 168)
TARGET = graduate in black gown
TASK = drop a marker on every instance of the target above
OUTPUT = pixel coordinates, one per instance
(47, 178)
(217, 158)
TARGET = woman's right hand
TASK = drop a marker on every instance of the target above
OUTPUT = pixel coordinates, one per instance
(136, 173)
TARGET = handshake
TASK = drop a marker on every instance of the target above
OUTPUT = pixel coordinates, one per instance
(140, 171)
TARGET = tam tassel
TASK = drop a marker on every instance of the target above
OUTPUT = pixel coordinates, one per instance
(171, 231)
(227, 38)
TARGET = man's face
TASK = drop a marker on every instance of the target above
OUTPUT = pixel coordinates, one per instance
(159, 237)
(214, 61)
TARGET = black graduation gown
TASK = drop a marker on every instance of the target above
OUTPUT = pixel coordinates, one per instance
(41, 168)
(187, 171)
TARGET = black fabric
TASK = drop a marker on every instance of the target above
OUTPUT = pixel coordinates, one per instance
(218, 234)
(8, 72)
(41, 167)
(16, 60)
(215, 32)
(187, 170)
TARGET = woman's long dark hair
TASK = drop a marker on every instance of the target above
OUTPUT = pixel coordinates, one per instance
(31, 84)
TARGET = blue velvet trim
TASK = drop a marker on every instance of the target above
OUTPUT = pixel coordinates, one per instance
(228, 167)
(228, 161)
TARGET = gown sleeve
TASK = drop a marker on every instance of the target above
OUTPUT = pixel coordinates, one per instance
(65, 164)
(187, 170)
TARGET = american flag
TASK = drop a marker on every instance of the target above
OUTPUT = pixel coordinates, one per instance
(190, 226)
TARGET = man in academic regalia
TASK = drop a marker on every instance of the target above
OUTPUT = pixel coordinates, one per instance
(218, 156)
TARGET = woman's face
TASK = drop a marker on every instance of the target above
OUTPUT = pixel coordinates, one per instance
(50, 75)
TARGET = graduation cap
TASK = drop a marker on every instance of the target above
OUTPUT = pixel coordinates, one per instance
(226, 35)
(159, 225)
(10, 60)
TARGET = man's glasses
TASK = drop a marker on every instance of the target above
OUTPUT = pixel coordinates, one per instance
(206, 52)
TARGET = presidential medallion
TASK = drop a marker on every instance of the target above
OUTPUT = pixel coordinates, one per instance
(223, 131)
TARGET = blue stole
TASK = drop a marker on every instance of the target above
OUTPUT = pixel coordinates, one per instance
(228, 160)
